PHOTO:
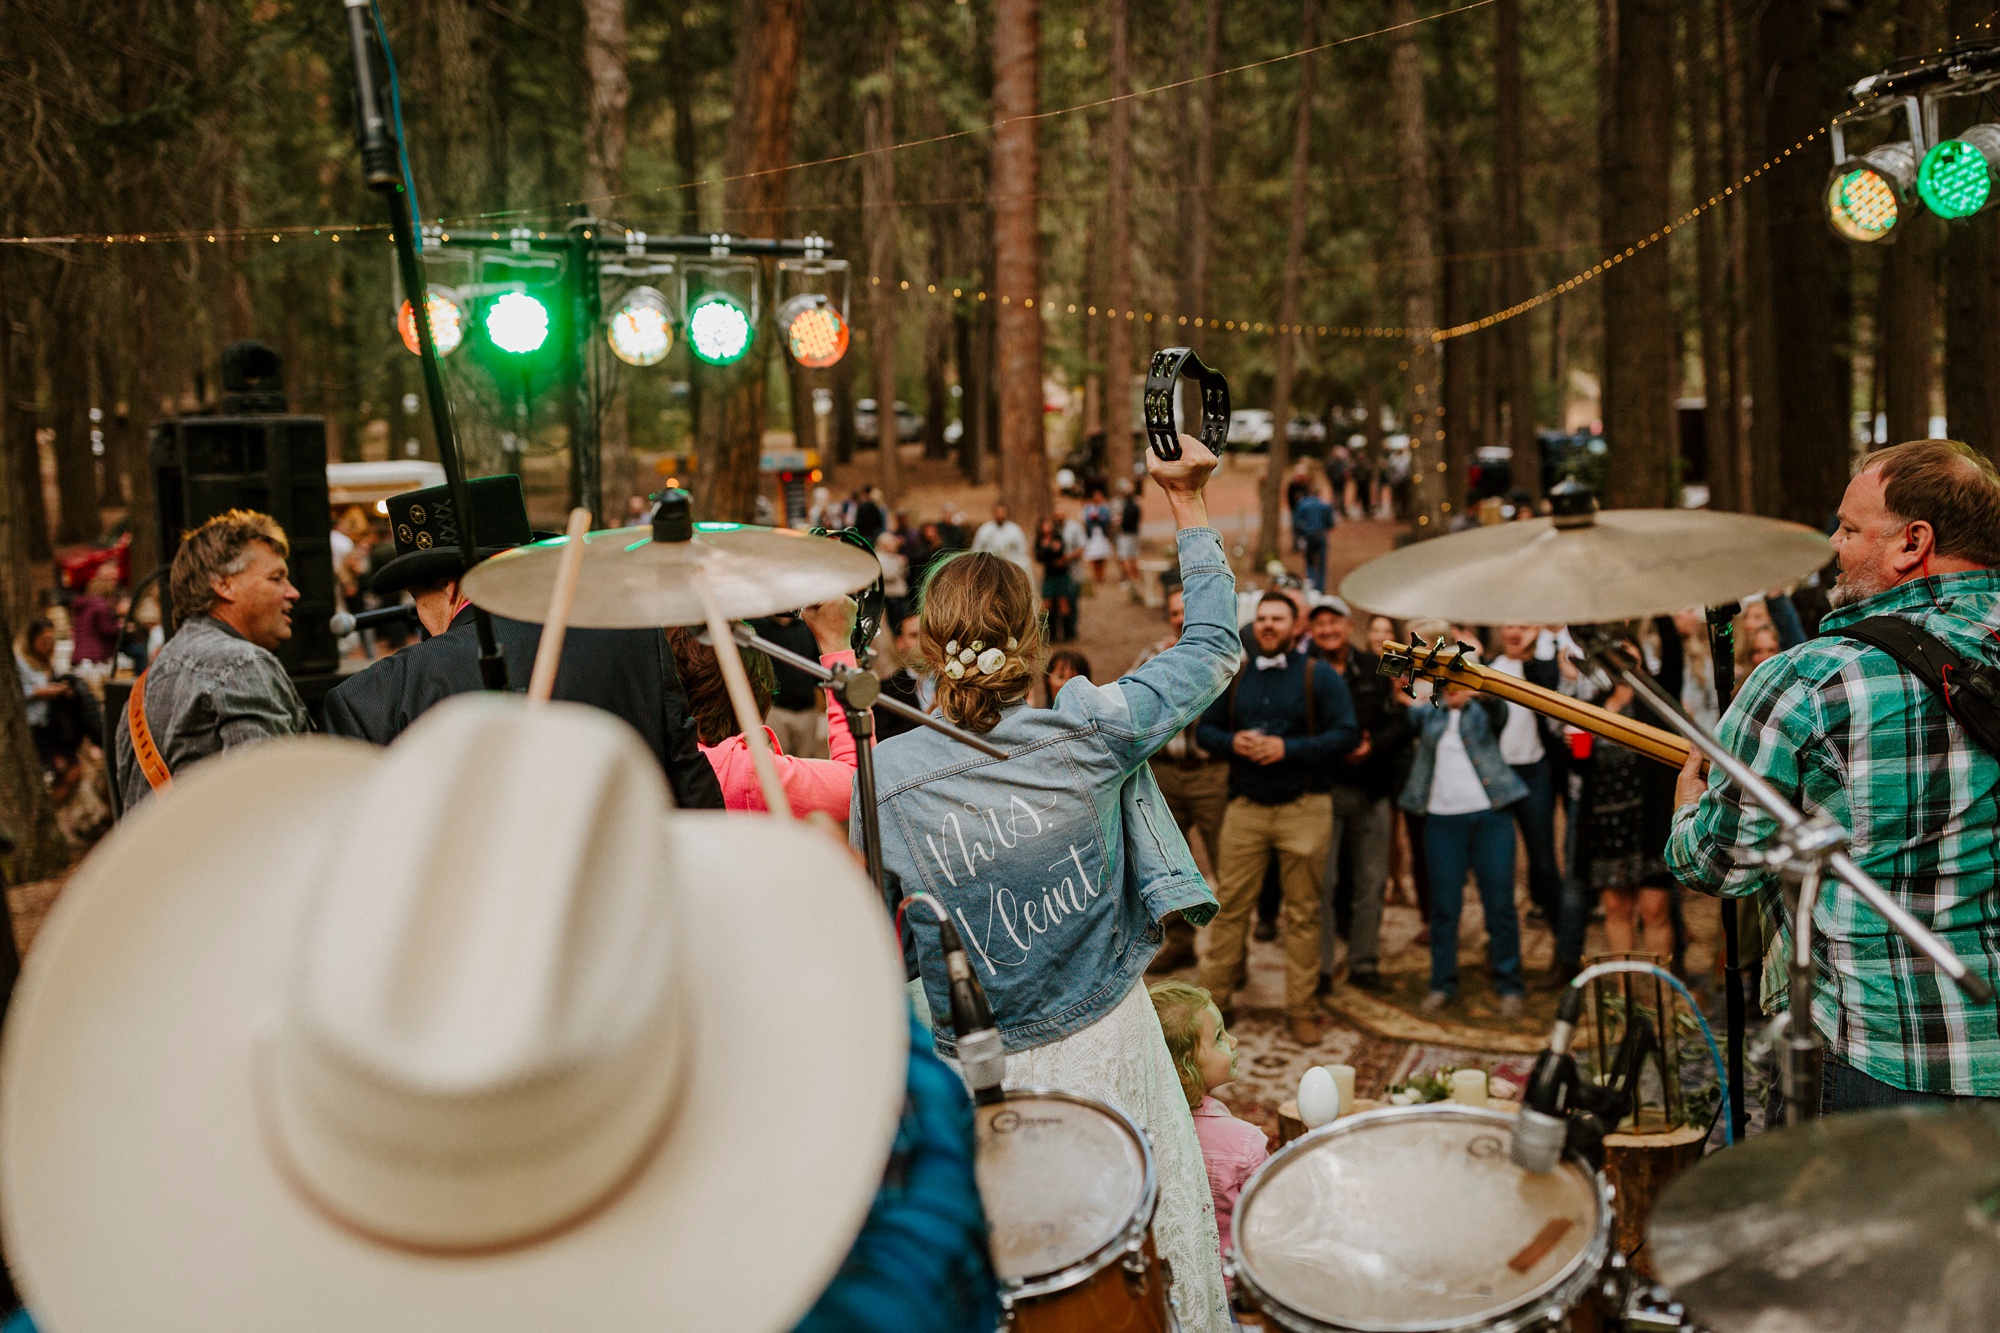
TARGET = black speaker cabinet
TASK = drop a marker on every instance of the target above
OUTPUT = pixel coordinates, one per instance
(204, 466)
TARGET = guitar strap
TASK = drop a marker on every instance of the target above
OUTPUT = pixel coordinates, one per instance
(143, 749)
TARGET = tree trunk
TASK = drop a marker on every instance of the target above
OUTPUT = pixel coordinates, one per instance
(1017, 259)
(1118, 229)
(937, 393)
(971, 390)
(1972, 299)
(25, 813)
(1718, 421)
(1735, 131)
(1415, 214)
(77, 519)
(17, 588)
(1810, 428)
(1458, 358)
(687, 157)
(1638, 314)
(608, 93)
(1269, 533)
(878, 185)
(1200, 169)
(844, 442)
(1516, 363)
(1906, 316)
(754, 204)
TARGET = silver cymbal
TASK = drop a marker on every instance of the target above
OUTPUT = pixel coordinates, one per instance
(1621, 564)
(1887, 1222)
(631, 581)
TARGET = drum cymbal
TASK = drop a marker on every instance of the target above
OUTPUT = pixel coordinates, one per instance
(1619, 564)
(1887, 1222)
(631, 581)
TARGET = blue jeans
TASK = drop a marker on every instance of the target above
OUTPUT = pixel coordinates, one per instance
(1537, 819)
(1574, 920)
(1845, 1088)
(1482, 843)
(1315, 551)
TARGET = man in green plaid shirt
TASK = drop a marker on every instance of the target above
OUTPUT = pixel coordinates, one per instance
(1841, 729)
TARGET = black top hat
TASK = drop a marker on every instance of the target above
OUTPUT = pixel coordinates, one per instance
(426, 530)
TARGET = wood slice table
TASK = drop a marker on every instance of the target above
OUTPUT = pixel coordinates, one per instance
(1640, 1167)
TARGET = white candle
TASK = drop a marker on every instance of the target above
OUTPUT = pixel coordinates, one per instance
(1469, 1086)
(1343, 1078)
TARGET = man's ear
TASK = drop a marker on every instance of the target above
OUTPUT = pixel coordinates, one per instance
(220, 587)
(1919, 543)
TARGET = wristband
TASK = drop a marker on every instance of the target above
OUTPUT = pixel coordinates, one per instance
(1162, 379)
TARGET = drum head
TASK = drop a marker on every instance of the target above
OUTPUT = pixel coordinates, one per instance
(1411, 1220)
(1061, 1178)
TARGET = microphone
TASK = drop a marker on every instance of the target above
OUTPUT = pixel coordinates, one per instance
(1541, 1129)
(980, 1053)
(345, 623)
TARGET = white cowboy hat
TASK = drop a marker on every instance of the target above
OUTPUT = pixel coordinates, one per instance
(468, 1034)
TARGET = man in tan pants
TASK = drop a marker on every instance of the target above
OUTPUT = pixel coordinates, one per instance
(1285, 721)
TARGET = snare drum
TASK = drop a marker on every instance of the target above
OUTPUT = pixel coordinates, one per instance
(1069, 1191)
(1413, 1218)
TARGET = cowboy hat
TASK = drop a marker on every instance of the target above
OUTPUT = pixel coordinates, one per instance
(534, 1055)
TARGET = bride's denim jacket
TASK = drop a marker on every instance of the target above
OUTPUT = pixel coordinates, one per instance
(1057, 863)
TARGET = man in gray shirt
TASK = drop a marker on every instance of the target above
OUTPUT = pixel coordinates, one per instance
(216, 684)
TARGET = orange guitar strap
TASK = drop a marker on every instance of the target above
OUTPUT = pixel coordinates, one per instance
(143, 749)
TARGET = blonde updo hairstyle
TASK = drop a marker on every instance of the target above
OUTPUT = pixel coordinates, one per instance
(978, 598)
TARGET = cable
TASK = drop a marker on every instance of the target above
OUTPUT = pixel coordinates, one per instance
(1596, 970)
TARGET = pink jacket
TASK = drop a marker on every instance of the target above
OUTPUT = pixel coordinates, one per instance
(1232, 1150)
(810, 784)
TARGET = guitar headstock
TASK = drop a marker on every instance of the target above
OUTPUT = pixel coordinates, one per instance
(1441, 663)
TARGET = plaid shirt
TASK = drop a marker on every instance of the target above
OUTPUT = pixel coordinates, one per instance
(1842, 730)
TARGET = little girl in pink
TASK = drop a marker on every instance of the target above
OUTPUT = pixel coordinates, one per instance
(1204, 1055)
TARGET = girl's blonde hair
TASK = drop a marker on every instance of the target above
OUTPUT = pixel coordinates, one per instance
(1179, 1006)
(981, 605)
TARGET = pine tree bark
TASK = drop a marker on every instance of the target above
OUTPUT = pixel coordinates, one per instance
(1017, 259)
(77, 515)
(1749, 269)
(765, 89)
(39, 848)
(878, 184)
(1415, 214)
(687, 156)
(1270, 533)
(1972, 301)
(1118, 241)
(1638, 315)
(1199, 168)
(1718, 391)
(607, 95)
(1907, 311)
(16, 565)
(1516, 361)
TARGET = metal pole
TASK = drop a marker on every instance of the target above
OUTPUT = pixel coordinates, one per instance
(381, 165)
(1722, 662)
(585, 448)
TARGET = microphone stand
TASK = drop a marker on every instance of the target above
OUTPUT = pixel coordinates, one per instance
(381, 167)
(1722, 664)
(857, 692)
(1802, 851)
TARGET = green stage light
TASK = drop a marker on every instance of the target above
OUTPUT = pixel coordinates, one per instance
(640, 330)
(718, 329)
(447, 323)
(1869, 195)
(517, 323)
(1956, 177)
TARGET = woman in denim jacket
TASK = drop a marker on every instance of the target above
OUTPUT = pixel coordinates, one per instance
(1058, 862)
(1462, 786)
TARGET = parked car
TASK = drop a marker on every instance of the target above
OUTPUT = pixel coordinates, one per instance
(1305, 434)
(1250, 428)
(909, 423)
(1565, 456)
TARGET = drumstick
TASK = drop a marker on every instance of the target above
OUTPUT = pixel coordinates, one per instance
(738, 681)
(548, 652)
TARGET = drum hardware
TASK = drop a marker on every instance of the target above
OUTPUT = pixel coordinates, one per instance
(1163, 378)
(1586, 567)
(1802, 851)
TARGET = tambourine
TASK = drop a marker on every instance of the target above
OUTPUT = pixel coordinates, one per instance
(871, 605)
(1162, 377)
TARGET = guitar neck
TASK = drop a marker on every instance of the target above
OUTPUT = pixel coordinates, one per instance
(1650, 741)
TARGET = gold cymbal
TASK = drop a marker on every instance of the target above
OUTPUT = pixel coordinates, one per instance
(1872, 1223)
(1616, 564)
(630, 580)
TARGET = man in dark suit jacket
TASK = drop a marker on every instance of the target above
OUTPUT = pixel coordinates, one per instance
(626, 672)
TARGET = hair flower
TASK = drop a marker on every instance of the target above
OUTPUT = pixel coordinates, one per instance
(992, 660)
(1012, 643)
(953, 669)
(968, 657)
(951, 649)
(979, 645)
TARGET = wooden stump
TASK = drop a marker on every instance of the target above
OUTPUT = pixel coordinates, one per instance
(1640, 1167)
(1291, 1127)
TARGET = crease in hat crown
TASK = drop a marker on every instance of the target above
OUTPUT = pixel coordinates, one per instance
(481, 1033)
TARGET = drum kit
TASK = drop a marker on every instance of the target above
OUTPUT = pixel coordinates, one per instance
(1410, 1219)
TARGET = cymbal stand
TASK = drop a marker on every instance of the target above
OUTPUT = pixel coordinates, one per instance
(857, 692)
(1802, 852)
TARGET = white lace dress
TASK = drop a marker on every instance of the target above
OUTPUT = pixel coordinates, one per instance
(1122, 1059)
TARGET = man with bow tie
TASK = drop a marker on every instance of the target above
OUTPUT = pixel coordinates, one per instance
(1284, 722)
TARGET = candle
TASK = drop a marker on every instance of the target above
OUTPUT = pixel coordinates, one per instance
(1469, 1086)
(1343, 1078)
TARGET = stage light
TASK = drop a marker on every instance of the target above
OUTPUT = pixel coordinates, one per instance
(718, 329)
(815, 333)
(1870, 194)
(640, 329)
(447, 323)
(517, 323)
(1955, 179)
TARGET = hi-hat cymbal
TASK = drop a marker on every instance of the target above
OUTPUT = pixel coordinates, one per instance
(630, 580)
(1887, 1222)
(1618, 564)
